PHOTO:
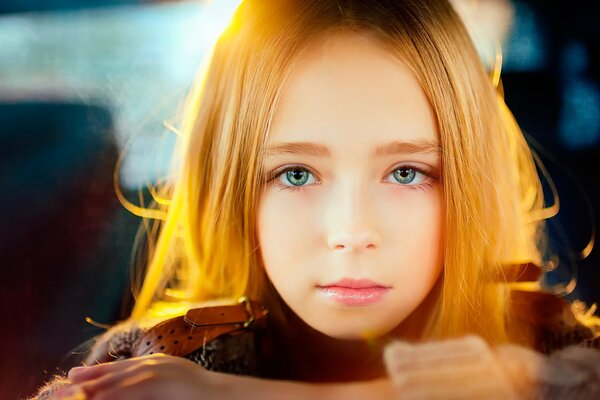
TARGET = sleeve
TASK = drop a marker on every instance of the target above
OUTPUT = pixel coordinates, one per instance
(115, 344)
(573, 372)
(469, 368)
(46, 392)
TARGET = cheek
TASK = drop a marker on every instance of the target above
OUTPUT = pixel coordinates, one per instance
(413, 220)
(283, 228)
(417, 231)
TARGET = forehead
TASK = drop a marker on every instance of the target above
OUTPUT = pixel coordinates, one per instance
(352, 89)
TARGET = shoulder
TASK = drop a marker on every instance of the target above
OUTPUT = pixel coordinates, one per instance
(231, 352)
(547, 322)
(123, 339)
(571, 372)
(235, 353)
(118, 342)
(210, 336)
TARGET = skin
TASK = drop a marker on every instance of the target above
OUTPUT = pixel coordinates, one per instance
(161, 376)
(354, 218)
(350, 215)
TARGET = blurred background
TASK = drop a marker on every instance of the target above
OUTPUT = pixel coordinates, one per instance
(85, 82)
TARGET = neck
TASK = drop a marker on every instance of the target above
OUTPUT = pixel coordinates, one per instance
(306, 354)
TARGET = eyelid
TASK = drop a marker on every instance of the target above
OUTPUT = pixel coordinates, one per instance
(429, 173)
(280, 170)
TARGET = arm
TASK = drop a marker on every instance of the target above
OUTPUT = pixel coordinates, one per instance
(165, 376)
(461, 368)
(416, 371)
(468, 368)
(464, 368)
(244, 387)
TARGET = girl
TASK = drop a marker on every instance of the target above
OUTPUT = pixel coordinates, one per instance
(349, 167)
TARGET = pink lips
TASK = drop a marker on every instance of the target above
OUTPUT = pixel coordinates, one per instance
(354, 292)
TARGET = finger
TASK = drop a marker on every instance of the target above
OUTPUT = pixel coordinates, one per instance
(158, 369)
(106, 382)
(82, 374)
(136, 387)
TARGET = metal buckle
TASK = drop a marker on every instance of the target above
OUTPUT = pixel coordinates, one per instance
(249, 310)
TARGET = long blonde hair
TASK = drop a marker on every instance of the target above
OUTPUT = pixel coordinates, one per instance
(206, 248)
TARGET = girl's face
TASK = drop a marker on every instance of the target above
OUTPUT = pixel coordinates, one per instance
(350, 223)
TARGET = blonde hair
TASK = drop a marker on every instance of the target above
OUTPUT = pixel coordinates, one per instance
(206, 247)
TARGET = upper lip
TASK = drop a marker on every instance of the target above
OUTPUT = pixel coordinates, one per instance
(355, 283)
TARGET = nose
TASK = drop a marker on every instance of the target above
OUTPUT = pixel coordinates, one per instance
(352, 226)
(353, 242)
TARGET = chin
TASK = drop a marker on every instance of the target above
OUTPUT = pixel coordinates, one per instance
(353, 332)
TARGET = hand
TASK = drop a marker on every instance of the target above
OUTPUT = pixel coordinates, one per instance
(160, 376)
(156, 376)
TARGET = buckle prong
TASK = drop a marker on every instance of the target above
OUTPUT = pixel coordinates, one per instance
(249, 310)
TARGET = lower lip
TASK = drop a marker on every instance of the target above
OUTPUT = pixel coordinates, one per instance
(354, 296)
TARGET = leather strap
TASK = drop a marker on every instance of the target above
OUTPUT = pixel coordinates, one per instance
(179, 336)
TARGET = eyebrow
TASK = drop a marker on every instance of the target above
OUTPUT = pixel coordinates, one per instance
(421, 146)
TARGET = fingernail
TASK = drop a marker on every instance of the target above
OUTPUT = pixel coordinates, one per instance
(75, 370)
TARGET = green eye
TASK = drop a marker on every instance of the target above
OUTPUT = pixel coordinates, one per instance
(405, 175)
(297, 177)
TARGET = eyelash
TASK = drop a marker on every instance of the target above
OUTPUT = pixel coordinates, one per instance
(419, 187)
